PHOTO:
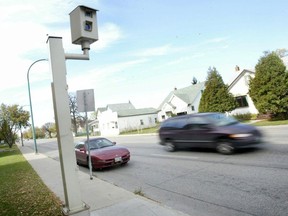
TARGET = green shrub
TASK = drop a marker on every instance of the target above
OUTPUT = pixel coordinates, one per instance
(243, 117)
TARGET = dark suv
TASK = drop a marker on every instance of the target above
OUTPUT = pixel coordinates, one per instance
(207, 130)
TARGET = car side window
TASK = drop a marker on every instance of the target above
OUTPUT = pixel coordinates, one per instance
(79, 145)
(93, 144)
(175, 123)
(196, 123)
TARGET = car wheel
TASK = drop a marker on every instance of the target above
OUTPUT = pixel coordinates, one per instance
(170, 146)
(225, 147)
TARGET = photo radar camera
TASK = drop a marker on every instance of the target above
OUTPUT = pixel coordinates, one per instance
(83, 23)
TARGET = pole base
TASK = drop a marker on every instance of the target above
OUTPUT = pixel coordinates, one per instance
(84, 211)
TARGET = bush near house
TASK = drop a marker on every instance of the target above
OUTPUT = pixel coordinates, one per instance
(268, 89)
(243, 117)
(216, 97)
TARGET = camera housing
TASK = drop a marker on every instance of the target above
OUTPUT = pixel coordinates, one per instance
(83, 23)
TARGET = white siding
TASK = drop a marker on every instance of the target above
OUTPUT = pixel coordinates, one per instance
(241, 88)
(108, 123)
(180, 105)
(111, 124)
(173, 106)
(134, 122)
(195, 103)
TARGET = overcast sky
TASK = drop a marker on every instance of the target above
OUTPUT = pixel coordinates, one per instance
(146, 48)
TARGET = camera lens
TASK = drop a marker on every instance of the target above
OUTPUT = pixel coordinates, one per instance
(88, 26)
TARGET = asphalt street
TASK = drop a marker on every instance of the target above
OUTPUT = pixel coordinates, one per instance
(202, 182)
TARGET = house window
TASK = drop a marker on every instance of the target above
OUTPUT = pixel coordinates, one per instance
(141, 122)
(242, 101)
(163, 117)
(116, 124)
(156, 120)
(192, 108)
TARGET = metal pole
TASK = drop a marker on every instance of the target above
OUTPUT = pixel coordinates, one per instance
(30, 102)
(72, 192)
(87, 133)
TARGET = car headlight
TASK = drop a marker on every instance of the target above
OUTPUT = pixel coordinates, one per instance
(235, 136)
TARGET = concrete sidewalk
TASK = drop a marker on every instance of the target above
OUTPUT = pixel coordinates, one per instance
(104, 199)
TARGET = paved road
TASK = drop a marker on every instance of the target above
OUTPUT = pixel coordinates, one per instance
(202, 182)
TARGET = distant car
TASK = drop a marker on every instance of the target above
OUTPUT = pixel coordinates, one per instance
(208, 130)
(104, 153)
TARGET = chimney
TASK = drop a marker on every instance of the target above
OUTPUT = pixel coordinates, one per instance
(237, 68)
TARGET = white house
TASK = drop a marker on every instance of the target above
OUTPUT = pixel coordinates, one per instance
(239, 87)
(181, 101)
(117, 118)
(285, 61)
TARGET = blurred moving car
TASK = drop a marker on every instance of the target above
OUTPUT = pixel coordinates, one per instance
(208, 130)
(104, 153)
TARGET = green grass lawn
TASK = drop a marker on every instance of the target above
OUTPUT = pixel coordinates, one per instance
(270, 123)
(142, 131)
(22, 192)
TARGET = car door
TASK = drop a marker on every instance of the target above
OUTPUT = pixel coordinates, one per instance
(198, 132)
(80, 152)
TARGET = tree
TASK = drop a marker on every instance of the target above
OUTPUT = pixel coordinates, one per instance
(216, 97)
(281, 52)
(39, 133)
(76, 118)
(269, 88)
(49, 128)
(12, 119)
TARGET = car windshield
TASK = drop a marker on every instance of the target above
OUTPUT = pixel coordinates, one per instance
(100, 143)
(221, 119)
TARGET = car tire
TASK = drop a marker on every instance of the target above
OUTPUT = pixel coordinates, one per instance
(170, 146)
(224, 147)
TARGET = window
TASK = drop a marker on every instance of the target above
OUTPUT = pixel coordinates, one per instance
(88, 13)
(141, 122)
(192, 108)
(174, 123)
(79, 145)
(197, 123)
(242, 101)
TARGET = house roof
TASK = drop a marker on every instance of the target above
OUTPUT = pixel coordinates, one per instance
(239, 76)
(120, 106)
(127, 109)
(187, 94)
(101, 109)
(135, 112)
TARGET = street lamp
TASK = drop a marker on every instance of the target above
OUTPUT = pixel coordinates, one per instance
(30, 102)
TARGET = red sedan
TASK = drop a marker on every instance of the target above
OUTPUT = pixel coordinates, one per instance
(104, 153)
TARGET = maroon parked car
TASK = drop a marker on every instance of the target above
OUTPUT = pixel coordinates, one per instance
(104, 153)
(208, 130)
